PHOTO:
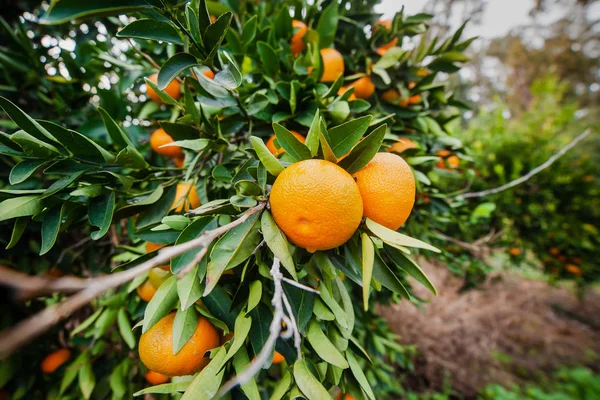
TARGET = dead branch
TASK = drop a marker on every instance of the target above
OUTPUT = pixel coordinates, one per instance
(15, 337)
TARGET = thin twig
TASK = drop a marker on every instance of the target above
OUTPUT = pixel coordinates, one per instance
(300, 286)
(531, 173)
(293, 327)
(146, 56)
(11, 339)
(274, 331)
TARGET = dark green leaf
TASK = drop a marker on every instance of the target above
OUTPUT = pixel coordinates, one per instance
(291, 144)
(184, 325)
(24, 170)
(173, 67)
(410, 267)
(214, 35)
(61, 11)
(364, 151)
(22, 206)
(25, 122)
(268, 58)
(100, 213)
(342, 138)
(51, 226)
(302, 305)
(327, 25)
(18, 229)
(192, 232)
(151, 29)
(161, 303)
(386, 277)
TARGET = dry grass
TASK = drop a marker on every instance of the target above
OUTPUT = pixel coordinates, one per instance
(505, 331)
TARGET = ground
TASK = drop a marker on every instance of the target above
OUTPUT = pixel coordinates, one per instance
(508, 330)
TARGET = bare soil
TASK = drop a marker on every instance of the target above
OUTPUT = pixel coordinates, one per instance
(506, 331)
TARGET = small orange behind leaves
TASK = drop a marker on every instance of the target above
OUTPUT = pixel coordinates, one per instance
(159, 138)
(54, 360)
(387, 24)
(150, 247)
(416, 99)
(279, 151)
(172, 89)
(146, 291)
(363, 87)
(333, 64)
(574, 269)
(515, 252)
(278, 358)
(554, 251)
(179, 161)
(207, 72)
(154, 378)
(297, 44)
(342, 396)
(453, 161)
(443, 153)
(344, 89)
(390, 95)
(402, 145)
(186, 197)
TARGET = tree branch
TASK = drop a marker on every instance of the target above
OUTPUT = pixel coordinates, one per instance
(531, 173)
(26, 330)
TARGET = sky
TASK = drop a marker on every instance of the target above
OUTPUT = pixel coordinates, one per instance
(499, 17)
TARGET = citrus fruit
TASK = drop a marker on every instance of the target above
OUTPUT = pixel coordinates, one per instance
(416, 99)
(159, 138)
(278, 358)
(390, 95)
(156, 348)
(387, 24)
(146, 291)
(402, 145)
(279, 151)
(172, 90)
(54, 360)
(186, 197)
(443, 153)
(155, 378)
(554, 251)
(342, 396)
(317, 204)
(387, 187)
(297, 44)
(453, 161)
(344, 89)
(574, 269)
(156, 276)
(179, 161)
(333, 64)
(207, 72)
(363, 87)
(515, 252)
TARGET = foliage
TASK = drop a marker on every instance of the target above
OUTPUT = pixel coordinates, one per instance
(85, 191)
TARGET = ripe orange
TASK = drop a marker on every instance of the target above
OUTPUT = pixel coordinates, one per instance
(172, 90)
(159, 138)
(574, 269)
(422, 72)
(363, 87)
(333, 64)
(279, 151)
(297, 44)
(443, 153)
(316, 204)
(207, 72)
(411, 85)
(146, 291)
(390, 95)
(342, 396)
(515, 252)
(179, 161)
(154, 378)
(402, 145)
(278, 358)
(554, 251)
(186, 197)
(387, 187)
(387, 24)
(453, 161)
(416, 99)
(156, 348)
(54, 360)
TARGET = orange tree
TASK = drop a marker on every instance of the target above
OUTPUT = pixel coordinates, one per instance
(255, 224)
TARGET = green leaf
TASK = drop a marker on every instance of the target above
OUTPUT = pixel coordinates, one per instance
(254, 296)
(410, 267)
(240, 333)
(327, 297)
(22, 206)
(164, 97)
(230, 76)
(61, 11)
(391, 57)
(249, 30)
(214, 35)
(206, 384)
(18, 229)
(393, 237)
(270, 162)
(383, 274)
(25, 122)
(204, 14)
(312, 138)
(282, 386)
(191, 17)
(219, 304)
(151, 29)
(125, 328)
(348, 307)
(188, 288)
(119, 377)
(277, 242)
(118, 135)
(177, 222)
(310, 386)
(322, 312)
(165, 388)
(173, 67)
(359, 375)
(240, 363)
(86, 323)
(368, 258)
(184, 325)
(323, 138)
(23, 170)
(79, 145)
(100, 213)
(342, 138)
(327, 25)
(34, 147)
(51, 226)
(193, 231)
(302, 305)
(339, 111)
(87, 379)
(364, 151)
(129, 157)
(291, 144)
(232, 249)
(323, 347)
(161, 304)
(269, 59)
(190, 105)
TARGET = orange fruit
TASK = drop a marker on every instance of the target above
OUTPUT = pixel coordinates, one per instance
(453, 161)
(333, 64)
(404, 102)
(416, 99)
(387, 187)
(172, 89)
(387, 24)
(54, 360)
(515, 252)
(154, 378)
(213, 19)
(554, 251)
(390, 95)
(344, 89)
(317, 204)
(156, 348)
(411, 85)
(146, 291)
(422, 72)
(156, 276)
(279, 151)
(159, 138)
(179, 161)
(342, 396)
(297, 44)
(278, 358)
(363, 87)
(208, 73)
(574, 269)
(402, 145)
(186, 198)
(443, 153)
